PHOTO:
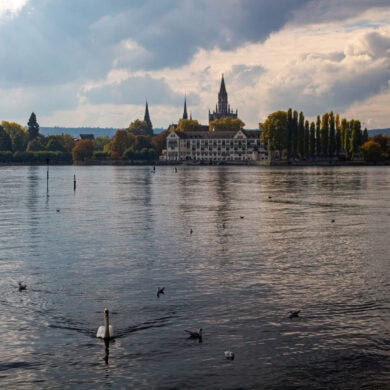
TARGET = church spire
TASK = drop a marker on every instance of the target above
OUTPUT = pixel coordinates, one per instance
(185, 115)
(147, 117)
(222, 98)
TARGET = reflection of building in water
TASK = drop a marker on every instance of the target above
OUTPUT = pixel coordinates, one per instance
(211, 145)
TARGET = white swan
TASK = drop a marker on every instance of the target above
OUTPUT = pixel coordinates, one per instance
(105, 331)
(229, 355)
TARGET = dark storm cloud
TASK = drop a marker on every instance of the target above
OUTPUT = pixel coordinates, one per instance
(50, 42)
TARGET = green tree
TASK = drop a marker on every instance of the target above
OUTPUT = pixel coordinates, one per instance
(275, 131)
(332, 135)
(36, 144)
(83, 150)
(312, 139)
(100, 142)
(55, 143)
(221, 124)
(306, 139)
(33, 126)
(142, 142)
(325, 134)
(339, 137)
(347, 139)
(289, 132)
(294, 134)
(301, 135)
(139, 127)
(5, 140)
(318, 136)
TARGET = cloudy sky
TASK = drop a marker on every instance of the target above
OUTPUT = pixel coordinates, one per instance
(95, 62)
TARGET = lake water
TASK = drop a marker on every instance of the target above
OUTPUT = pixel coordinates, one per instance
(265, 241)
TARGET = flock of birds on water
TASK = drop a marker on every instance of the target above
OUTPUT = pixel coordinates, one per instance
(106, 331)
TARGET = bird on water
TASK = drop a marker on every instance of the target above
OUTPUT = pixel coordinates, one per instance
(294, 314)
(195, 335)
(229, 355)
(105, 331)
(22, 286)
(160, 290)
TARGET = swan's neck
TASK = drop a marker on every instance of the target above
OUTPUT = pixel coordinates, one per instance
(106, 326)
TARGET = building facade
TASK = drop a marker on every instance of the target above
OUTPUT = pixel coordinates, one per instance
(214, 146)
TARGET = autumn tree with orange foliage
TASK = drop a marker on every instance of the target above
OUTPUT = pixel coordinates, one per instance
(83, 150)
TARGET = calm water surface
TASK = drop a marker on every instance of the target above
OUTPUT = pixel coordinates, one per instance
(265, 241)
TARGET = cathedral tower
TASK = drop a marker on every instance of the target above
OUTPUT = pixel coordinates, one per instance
(222, 109)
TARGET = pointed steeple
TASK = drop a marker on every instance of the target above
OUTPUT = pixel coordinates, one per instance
(147, 117)
(185, 115)
(222, 98)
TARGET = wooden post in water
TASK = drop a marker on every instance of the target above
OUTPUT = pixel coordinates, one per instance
(47, 176)
(74, 182)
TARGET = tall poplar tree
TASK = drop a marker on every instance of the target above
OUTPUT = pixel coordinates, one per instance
(301, 134)
(289, 132)
(294, 138)
(307, 139)
(318, 136)
(312, 139)
(332, 135)
(325, 134)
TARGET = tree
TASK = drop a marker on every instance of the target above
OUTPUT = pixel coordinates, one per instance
(294, 134)
(139, 127)
(159, 141)
(120, 142)
(332, 135)
(33, 127)
(141, 142)
(5, 140)
(325, 134)
(371, 151)
(227, 124)
(301, 135)
(36, 144)
(83, 150)
(289, 132)
(318, 136)
(55, 143)
(100, 142)
(18, 135)
(339, 137)
(275, 130)
(306, 139)
(188, 125)
(312, 139)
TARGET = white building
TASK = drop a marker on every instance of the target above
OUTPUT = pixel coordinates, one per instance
(214, 146)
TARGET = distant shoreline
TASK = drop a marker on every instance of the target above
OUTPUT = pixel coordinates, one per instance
(273, 164)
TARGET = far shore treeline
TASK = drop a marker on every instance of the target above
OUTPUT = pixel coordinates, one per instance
(285, 134)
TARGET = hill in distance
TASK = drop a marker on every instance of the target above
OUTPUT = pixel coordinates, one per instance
(76, 131)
